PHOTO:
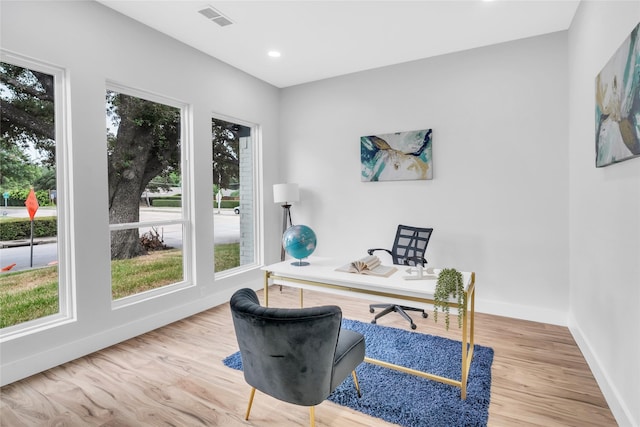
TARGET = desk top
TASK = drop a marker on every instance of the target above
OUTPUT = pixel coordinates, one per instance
(323, 270)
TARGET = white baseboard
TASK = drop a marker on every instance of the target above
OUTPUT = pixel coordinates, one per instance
(524, 312)
(620, 411)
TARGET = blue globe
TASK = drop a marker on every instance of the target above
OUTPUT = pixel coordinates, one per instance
(299, 241)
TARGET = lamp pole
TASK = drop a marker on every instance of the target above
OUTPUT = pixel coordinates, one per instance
(286, 218)
(285, 194)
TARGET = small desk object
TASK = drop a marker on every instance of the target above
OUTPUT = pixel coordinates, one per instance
(321, 275)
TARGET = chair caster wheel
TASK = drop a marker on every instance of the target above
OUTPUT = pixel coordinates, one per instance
(425, 315)
(373, 321)
(413, 326)
(371, 310)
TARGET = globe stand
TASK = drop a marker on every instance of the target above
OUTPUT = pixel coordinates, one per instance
(299, 242)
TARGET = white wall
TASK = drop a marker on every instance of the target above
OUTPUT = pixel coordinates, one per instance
(498, 200)
(604, 219)
(95, 44)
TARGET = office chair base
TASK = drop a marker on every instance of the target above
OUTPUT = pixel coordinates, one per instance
(400, 309)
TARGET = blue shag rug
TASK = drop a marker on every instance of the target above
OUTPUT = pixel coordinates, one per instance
(407, 400)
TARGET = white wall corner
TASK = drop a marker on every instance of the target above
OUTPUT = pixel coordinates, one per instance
(620, 411)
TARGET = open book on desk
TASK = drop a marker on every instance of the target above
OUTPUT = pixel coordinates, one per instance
(370, 265)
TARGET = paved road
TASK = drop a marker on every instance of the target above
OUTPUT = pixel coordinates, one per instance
(226, 225)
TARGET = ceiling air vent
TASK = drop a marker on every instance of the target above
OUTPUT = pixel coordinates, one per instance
(215, 16)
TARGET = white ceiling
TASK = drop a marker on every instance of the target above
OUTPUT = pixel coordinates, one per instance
(322, 39)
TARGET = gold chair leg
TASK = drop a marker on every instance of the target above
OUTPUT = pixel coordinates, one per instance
(355, 381)
(312, 416)
(253, 392)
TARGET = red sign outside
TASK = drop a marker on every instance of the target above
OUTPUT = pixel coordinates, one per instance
(32, 204)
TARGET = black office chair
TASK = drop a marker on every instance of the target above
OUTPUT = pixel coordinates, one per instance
(408, 249)
(297, 355)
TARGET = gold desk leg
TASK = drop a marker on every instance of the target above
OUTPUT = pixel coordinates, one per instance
(463, 381)
(301, 298)
(473, 311)
(468, 338)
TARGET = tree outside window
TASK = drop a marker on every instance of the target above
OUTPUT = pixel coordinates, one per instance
(144, 153)
(233, 184)
(31, 283)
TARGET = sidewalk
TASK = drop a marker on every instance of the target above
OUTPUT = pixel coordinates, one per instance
(26, 242)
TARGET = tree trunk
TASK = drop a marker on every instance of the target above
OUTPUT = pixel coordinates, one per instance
(125, 208)
(126, 244)
(146, 144)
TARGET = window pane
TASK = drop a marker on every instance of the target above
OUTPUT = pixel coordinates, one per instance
(29, 278)
(145, 193)
(161, 266)
(233, 195)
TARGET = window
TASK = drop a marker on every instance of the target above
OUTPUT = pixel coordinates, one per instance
(34, 289)
(147, 197)
(234, 195)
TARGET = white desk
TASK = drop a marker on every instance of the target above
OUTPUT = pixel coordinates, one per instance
(320, 275)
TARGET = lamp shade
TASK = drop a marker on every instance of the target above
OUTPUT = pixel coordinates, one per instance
(285, 193)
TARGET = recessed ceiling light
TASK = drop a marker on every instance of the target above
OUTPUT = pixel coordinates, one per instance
(274, 54)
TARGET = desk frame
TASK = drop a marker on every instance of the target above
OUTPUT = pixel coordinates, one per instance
(467, 322)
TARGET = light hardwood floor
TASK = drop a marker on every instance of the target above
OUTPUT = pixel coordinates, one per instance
(174, 376)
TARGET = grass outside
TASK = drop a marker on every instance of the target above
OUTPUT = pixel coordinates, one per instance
(32, 294)
(28, 295)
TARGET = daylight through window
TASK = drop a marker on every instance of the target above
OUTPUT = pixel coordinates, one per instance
(234, 217)
(32, 278)
(146, 193)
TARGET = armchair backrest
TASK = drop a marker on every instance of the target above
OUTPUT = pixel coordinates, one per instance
(286, 353)
(410, 245)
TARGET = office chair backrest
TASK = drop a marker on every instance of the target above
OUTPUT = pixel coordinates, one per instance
(410, 245)
(287, 353)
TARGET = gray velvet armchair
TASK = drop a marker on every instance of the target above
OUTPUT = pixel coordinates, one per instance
(295, 355)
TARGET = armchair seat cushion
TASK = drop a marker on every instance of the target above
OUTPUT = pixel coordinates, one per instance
(349, 354)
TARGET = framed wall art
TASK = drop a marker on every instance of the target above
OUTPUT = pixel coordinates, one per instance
(618, 104)
(396, 156)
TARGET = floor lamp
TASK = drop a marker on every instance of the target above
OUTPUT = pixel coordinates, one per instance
(285, 194)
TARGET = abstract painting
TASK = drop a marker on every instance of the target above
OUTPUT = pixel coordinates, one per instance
(618, 104)
(396, 156)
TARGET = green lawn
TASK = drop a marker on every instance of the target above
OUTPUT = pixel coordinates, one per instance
(27, 295)
(31, 294)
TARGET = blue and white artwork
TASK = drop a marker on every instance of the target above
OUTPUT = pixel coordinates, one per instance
(618, 104)
(396, 156)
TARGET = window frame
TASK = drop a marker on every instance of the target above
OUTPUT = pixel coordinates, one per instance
(257, 212)
(67, 308)
(186, 142)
